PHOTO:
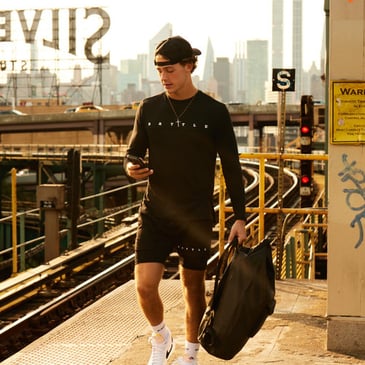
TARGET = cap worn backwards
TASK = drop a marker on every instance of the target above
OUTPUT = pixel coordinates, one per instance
(175, 49)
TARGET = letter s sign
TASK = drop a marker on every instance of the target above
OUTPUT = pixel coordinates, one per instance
(283, 79)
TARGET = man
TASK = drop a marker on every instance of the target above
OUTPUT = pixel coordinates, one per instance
(183, 130)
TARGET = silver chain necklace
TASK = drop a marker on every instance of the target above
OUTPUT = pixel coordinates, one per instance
(178, 121)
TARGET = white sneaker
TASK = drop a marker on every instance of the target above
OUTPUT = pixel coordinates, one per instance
(161, 349)
(183, 360)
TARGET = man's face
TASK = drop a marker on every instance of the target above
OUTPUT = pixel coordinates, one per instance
(173, 77)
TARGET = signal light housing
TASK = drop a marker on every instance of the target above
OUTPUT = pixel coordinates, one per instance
(305, 185)
(306, 166)
(306, 176)
(306, 137)
(306, 125)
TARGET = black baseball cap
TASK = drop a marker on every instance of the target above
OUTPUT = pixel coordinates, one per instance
(175, 49)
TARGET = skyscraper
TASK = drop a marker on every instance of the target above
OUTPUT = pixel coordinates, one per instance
(164, 33)
(209, 62)
(277, 34)
(297, 48)
(238, 72)
(223, 75)
(257, 70)
(209, 83)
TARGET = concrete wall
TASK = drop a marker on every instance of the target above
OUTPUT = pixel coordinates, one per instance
(346, 182)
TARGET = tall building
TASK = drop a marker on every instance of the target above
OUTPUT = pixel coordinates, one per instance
(277, 34)
(257, 70)
(164, 33)
(322, 93)
(297, 48)
(223, 76)
(209, 83)
(316, 85)
(323, 51)
(239, 85)
(130, 79)
(209, 62)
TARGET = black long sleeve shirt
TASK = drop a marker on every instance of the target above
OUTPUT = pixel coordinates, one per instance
(183, 156)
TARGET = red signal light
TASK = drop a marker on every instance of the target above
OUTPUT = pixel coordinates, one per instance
(305, 179)
(305, 129)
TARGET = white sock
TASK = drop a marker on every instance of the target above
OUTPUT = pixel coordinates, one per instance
(161, 329)
(191, 350)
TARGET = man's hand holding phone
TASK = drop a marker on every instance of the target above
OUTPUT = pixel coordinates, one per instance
(137, 167)
(136, 160)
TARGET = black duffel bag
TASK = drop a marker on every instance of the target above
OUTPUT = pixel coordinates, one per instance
(243, 297)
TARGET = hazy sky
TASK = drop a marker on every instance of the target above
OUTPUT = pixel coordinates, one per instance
(226, 23)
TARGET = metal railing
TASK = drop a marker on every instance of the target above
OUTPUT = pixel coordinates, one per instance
(301, 263)
(101, 217)
(19, 247)
(92, 152)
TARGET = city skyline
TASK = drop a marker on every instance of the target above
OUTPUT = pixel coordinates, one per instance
(226, 27)
(68, 46)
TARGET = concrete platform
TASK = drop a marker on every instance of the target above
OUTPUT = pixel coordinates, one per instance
(294, 335)
(113, 331)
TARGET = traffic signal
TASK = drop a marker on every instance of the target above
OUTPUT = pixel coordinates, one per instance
(306, 182)
(306, 166)
(306, 124)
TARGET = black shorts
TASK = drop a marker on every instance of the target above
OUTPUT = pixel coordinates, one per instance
(157, 239)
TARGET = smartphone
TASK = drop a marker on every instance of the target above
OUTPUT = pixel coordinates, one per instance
(136, 160)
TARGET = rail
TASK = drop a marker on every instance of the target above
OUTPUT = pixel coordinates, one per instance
(94, 152)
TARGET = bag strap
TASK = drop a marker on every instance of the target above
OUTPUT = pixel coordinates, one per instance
(223, 263)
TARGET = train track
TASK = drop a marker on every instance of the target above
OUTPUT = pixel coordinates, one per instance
(32, 308)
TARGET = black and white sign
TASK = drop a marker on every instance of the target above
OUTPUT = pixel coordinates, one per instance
(283, 79)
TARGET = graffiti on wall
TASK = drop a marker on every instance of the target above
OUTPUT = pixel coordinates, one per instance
(355, 194)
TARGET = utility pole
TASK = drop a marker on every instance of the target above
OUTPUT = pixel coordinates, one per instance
(283, 81)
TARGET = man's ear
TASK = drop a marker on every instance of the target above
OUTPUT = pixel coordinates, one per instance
(189, 67)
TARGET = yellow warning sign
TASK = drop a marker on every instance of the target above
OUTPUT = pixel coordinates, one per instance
(347, 112)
